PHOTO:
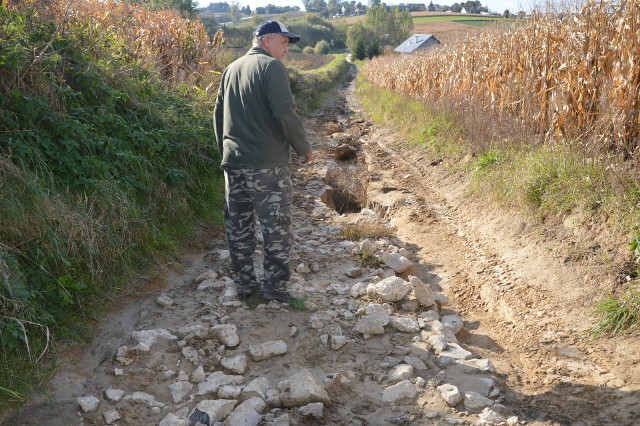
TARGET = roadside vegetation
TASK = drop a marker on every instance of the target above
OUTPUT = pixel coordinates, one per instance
(108, 162)
(549, 132)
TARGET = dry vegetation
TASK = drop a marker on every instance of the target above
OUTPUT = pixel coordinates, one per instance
(564, 76)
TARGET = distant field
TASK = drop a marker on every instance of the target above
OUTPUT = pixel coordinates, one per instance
(455, 18)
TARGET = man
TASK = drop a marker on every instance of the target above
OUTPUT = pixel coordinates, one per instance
(256, 126)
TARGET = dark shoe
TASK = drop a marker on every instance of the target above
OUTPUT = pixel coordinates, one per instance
(247, 292)
(282, 296)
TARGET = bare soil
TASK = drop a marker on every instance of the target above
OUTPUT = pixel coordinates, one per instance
(521, 289)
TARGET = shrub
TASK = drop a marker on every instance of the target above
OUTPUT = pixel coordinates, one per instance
(322, 48)
(308, 50)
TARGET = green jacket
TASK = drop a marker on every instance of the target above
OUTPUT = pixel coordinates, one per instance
(254, 117)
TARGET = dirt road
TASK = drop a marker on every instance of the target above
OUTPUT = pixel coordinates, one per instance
(453, 313)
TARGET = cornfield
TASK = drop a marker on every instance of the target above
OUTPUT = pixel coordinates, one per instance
(179, 49)
(569, 76)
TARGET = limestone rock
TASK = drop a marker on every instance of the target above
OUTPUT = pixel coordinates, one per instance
(315, 410)
(113, 395)
(164, 301)
(227, 334)
(376, 317)
(399, 391)
(146, 338)
(244, 415)
(390, 289)
(454, 321)
(267, 350)
(475, 401)
(175, 419)
(210, 411)
(179, 390)
(206, 275)
(476, 365)
(258, 387)
(301, 389)
(399, 373)
(88, 403)
(198, 375)
(111, 416)
(450, 394)
(404, 324)
(358, 289)
(215, 380)
(238, 364)
(396, 261)
(422, 291)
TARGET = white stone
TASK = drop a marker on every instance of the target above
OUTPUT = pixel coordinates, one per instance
(354, 272)
(224, 254)
(198, 375)
(416, 362)
(229, 295)
(399, 373)
(210, 283)
(146, 338)
(365, 248)
(164, 301)
(118, 372)
(243, 415)
(438, 342)
(490, 417)
(454, 320)
(145, 398)
(190, 354)
(302, 269)
(172, 419)
(451, 354)
(430, 316)
(396, 261)
(179, 390)
(229, 392)
(482, 385)
(338, 342)
(88, 403)
(257, 403)
(111, 416)
(450, 394)
(315, 410)
(217, 379)
(399, 391)
(267, 350)
(358, 289)
(422, 291)
(404, 324)
(214, 410)
(476, 365)
(114, 395)
(376, 317)
(257, 387)
(475, 401)
(238, 363)
(227, 334)
(390, 289)
(301, 389)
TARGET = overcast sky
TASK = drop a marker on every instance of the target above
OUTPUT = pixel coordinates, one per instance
(493, 5)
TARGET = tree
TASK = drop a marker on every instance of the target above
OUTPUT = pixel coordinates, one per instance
(431, 7)
(362, 40)
(394, 26)
(234, 12)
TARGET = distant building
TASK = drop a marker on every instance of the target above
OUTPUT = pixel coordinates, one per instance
(418, 43)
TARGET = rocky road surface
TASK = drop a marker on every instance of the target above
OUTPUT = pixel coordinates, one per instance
(394, 328)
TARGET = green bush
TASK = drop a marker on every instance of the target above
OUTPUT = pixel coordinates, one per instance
(321, 48)
(308, 50)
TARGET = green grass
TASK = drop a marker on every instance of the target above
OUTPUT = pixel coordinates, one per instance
(434, 131)
(309, 87)
(617, 314)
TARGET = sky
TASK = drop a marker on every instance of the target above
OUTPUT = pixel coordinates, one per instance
(493, 5)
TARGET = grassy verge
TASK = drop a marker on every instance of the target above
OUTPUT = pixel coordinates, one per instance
(548, 182)
(104, 166)
(310, 86)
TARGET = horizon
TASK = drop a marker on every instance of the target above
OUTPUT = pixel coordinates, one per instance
(498, 6)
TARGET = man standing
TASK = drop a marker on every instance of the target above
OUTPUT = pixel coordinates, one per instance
(256, 126)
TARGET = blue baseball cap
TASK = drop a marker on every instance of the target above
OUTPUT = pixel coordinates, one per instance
(275, 27)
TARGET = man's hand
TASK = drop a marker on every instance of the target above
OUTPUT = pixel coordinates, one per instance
(307, 158)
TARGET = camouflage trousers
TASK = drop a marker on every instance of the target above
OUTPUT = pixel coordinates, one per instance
(265, 195)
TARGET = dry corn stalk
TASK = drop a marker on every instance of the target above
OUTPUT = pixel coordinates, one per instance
(572, 75)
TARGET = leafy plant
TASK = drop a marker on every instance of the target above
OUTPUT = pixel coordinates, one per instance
(486, 160)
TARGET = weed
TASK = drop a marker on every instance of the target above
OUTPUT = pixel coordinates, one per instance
(297, 304)
(617, 314)
(365, 229)
(487, 160)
